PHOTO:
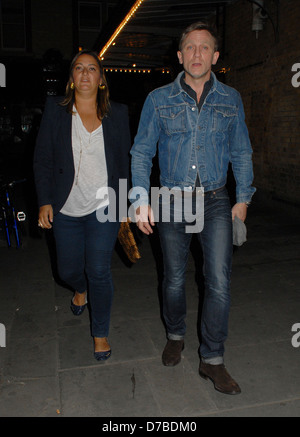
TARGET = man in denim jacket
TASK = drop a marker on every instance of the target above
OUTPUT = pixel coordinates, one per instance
(199, 126)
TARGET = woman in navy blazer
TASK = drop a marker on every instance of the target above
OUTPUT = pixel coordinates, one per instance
(83, 147)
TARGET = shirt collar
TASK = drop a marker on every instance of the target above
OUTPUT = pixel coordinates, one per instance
(189, 90)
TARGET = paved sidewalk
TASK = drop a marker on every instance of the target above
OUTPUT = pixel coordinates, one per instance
(47, 368)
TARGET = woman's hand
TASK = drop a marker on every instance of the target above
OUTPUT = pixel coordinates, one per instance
(46, 216)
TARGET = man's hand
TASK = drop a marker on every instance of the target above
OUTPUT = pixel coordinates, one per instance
(239, 210)
(145, 219)
(46, 216)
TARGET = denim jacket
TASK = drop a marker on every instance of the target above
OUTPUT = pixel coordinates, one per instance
(192, 143)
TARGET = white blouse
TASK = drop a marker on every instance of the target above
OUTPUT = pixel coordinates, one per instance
(90, 170)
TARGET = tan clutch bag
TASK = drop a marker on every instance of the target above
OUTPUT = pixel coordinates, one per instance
(127, 241)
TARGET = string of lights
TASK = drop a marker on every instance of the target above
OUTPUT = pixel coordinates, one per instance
(127, 70)
(112, 39)
(133, 70)
(128, 17)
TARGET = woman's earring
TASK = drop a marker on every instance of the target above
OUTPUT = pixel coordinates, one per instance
(72, 86)
(102, 87)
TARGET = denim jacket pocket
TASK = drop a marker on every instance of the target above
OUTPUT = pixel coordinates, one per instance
(222, 117)
(174, 119)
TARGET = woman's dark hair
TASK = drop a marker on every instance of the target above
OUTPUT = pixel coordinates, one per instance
(103, 104)
(200, 26)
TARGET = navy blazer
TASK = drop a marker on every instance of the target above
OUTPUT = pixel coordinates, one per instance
(53, 158)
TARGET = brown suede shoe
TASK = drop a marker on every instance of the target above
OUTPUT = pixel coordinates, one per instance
(172, 353)
(220, 377)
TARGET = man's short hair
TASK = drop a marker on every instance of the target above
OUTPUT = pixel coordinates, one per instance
(200, 25)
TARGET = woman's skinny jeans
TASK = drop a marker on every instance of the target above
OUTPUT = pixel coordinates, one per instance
(84, 249)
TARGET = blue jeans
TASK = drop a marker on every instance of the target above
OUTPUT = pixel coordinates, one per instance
(216, 243)
(84, 248)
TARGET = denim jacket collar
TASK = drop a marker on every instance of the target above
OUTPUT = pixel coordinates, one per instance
(177, 89)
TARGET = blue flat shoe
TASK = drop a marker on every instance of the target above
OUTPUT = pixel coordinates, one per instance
(102, 356)
(77, 310)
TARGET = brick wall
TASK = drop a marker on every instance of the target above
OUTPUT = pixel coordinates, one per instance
(260, 69)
